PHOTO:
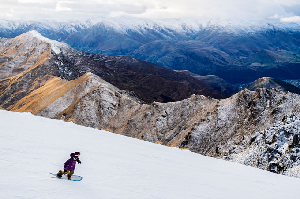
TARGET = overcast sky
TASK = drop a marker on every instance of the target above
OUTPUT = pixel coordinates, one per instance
(284, 10)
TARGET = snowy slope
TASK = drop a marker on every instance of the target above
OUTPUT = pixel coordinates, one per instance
(55, 45)
(114, 166)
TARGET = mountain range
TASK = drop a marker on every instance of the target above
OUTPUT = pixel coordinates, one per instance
(237, 51)
(39, 60)
(51, 79)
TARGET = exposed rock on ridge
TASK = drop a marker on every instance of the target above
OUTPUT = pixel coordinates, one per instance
(269, 82)
(276, 148)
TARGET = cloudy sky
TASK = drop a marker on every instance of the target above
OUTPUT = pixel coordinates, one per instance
(283, 10)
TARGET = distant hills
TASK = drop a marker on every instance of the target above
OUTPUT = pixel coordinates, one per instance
(215, 82)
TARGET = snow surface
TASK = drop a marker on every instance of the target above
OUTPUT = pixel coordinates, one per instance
(115, 166)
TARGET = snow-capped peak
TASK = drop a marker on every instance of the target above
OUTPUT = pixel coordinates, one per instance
(55, 45)
(36, 34)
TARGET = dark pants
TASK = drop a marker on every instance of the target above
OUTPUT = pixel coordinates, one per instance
(68, 172)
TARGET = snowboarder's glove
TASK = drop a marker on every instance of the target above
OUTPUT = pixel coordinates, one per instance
(79, 162)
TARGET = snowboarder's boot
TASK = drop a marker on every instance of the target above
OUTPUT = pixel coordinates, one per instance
(59, 174)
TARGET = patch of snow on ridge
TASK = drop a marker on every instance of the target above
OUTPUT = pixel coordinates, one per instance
(276, 149)
(55, 45)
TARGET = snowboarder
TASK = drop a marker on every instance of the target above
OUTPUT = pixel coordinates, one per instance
(69, 165)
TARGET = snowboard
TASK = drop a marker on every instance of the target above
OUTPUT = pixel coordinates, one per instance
(65, 177)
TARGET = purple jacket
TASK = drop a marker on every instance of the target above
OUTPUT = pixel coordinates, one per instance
(70, 164)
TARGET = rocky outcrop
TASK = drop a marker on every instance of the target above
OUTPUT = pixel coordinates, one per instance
(276, 148)
(269, 82)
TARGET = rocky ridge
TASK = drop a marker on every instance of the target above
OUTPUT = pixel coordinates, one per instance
(269, 82)
(276, 148)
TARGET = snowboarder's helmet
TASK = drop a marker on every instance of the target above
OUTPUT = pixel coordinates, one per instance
(77, 153)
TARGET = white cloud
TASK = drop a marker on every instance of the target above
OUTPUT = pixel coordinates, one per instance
(76, 9)
(34, 1)
(295, 19)
(61, 8)
(276, 16)
(286, 2)
(214, 8)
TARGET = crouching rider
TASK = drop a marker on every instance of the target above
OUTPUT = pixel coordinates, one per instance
(69, 165)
